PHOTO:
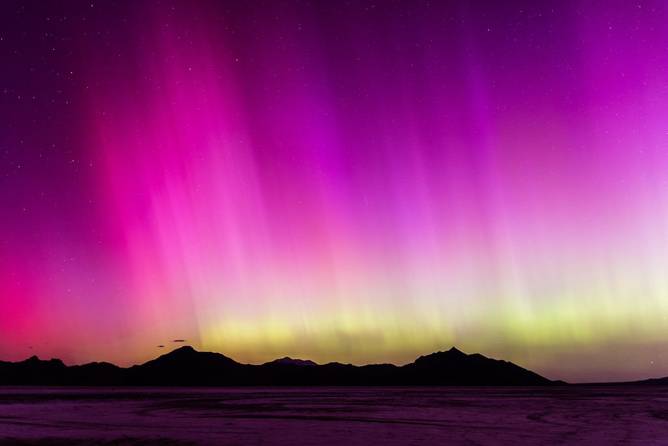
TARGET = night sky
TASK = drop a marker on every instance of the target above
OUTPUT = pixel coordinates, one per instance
(340, 181)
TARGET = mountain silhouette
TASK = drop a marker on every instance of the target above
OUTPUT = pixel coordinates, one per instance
(290, 361)
(454, 366)
(186, 366)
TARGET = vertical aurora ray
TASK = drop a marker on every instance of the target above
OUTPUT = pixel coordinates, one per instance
(347, 183)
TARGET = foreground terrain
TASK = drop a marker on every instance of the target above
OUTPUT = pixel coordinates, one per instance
(334, 416)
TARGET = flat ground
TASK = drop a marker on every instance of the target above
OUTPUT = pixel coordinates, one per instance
(334, 416)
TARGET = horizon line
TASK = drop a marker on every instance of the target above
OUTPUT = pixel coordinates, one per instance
(451, 349)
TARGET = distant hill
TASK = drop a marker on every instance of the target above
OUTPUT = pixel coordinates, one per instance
(290, 361)
(652, 382)
(185, 366)
(459, 368)
(644, 382)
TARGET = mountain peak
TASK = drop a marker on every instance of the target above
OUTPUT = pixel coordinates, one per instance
(180, 354)
(455, 350)
(292, 361)
(188, 355)
(184, 349)
(453, 354)
(35, 360)
(184, 353)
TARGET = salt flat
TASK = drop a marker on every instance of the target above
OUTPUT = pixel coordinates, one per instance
(333, 416)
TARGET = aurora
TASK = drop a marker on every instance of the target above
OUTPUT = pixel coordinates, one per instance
(339, 181)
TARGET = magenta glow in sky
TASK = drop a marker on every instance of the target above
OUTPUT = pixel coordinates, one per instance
(355, 182)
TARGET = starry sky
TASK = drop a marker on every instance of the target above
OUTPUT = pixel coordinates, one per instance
(341, 181)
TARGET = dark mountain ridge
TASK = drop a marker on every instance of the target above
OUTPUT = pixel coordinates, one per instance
(290, 361)
(185, 366)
